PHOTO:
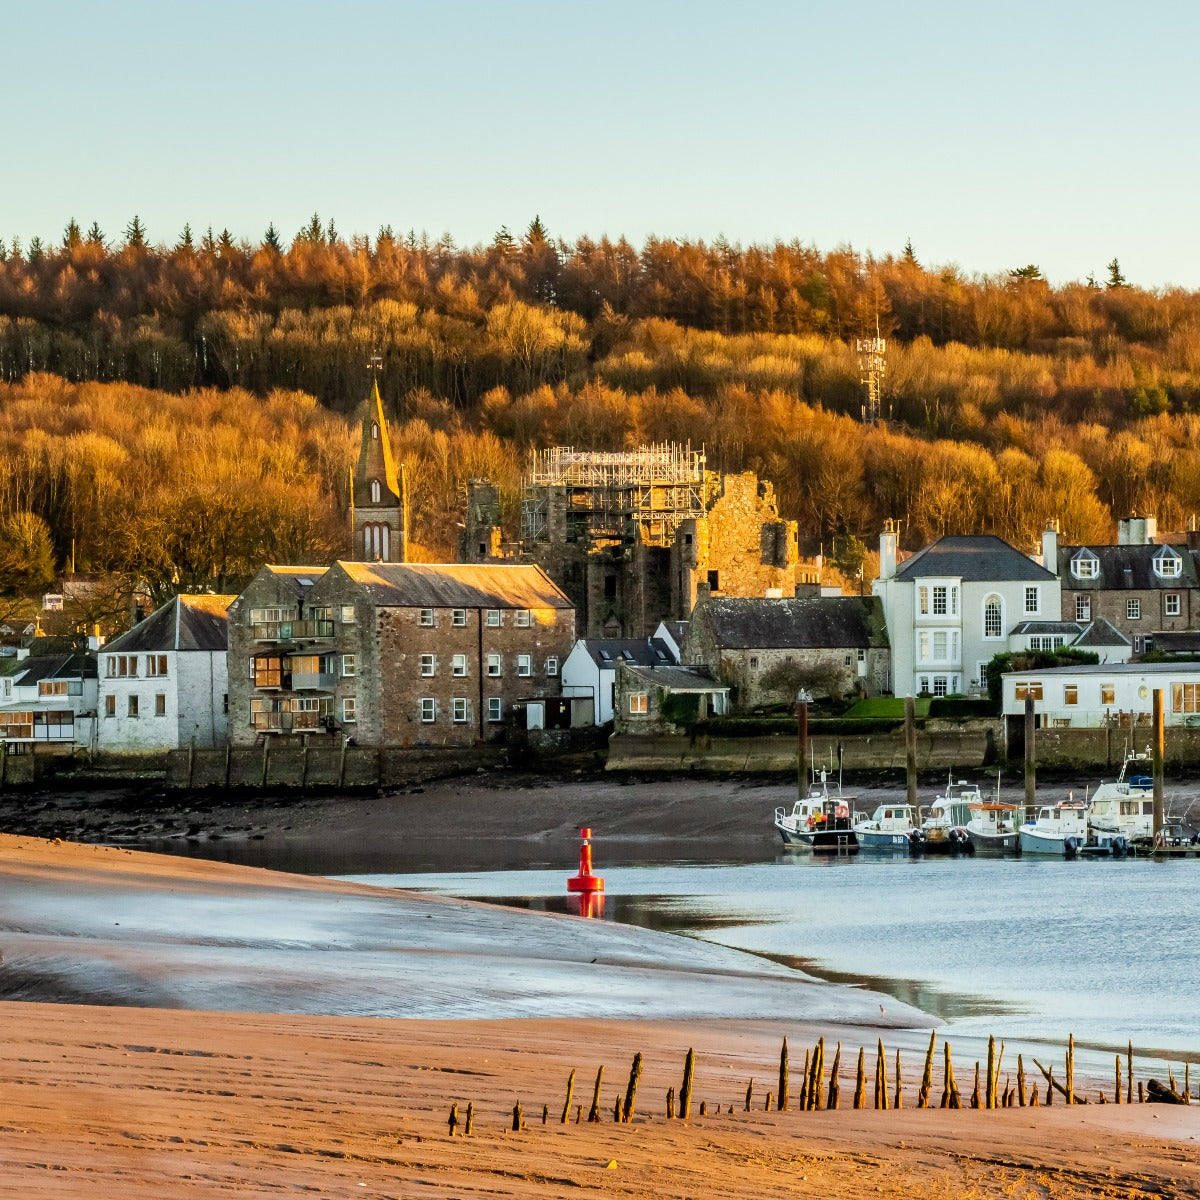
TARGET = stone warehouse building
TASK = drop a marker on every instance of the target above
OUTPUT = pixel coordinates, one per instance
(393, 654)
(630, 535)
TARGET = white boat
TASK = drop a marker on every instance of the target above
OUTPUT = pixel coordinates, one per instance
(944, 829)
(1059, 829)
(891, 826)
(994, 826)
(818, 822)
(1125, 806)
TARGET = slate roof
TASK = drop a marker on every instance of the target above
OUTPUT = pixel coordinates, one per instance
(1127, 568)
(188, 622)
(645, 652)
(1101, 632)
(813, 622)
(981, 559)
(78, 664)
(456, 585)
(1071, 628)
(676, 679)
(1178, 641)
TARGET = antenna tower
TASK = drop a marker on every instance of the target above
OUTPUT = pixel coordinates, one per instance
(872, 364)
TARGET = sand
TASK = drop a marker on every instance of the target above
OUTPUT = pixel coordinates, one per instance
(309, 1096)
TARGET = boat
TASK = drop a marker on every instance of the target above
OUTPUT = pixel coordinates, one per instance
(992, 824)
(1057, 829)
(891, 826)
(1125, 806)
(818, 822)
(944, 829)
(1106, 845)
(1176, 837)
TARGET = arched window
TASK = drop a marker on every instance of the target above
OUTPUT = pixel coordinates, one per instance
(374, 432)
(993, 617)
(374, 491)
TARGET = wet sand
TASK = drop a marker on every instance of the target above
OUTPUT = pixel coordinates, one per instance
(154, 1101)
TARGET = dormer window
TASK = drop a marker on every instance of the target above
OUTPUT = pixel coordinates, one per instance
(1167, 564)
(374, 491)
(1085, 565)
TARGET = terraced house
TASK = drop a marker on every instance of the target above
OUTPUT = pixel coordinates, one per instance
(393, 654)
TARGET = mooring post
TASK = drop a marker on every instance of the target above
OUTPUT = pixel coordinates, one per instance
(1030, 761)
(801, 745)
(1158, 763)
(910, 750)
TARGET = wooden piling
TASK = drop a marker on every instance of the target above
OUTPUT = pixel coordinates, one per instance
(910, 751)
(899, 1100)
(617, 1109)
(881, 1077)
(860, 1081)
(452, 1123)
(1033, 1097)
(954, 1097)
(975, 1099)
(1158, 744)
(1030, 761)
(1129, 1074)
(802, 749)
(594, 1111)
(1141, 1093)
(927, 1073)
(635, 1074)
(1117, 1085)
(767, 1102)
(704, 1108)
(517, 1117)
(1070, 1069)
(817, 1088)
(545, 1113)
(804, 1081)
(685, 1092)
(749, 1093)
(783, 1076)
(566, 1112)
(835, 1088)
(670, 1104)
(578, 1114)
(1020, 1081)
(470, 1119)
(990, 1100)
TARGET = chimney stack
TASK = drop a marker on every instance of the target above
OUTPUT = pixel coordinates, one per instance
(1050, 545)
(887, 550)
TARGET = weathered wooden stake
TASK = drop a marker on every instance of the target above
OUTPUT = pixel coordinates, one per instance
(990, 1102)
(1141, 1093)
(910, 751)
(704, 1108)
(749, 1093)
(1117, 1086)
(804, 1082)
(670, 1104)
(518, 1117)
(617, 1109)
(635, 1074)
(975, 1094)
(1129, 1074)
(685, 1091)
(881, 1074)
(1030, 761)
(1070, 1068)
(594, 1111)
(470, 1119)
(545, 1113)
(578, 1114)
(453, 1122)
(1033, 1098)
(1020, 1081)
(860, 1082)
(767, 1102)
(566, 1112)
(955, 1096)
(999, 1065)
(1159, 749)
(899, 1101)
(783, 1077)
(818, 1086)
(835, 1088)
(1049, 1086)
(927, 1074)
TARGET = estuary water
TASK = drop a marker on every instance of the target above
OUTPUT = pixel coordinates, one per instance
(1031, 949)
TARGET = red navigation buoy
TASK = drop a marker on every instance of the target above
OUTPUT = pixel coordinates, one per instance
(585, 881)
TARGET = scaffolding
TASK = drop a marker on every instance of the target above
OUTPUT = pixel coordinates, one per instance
(604, 492)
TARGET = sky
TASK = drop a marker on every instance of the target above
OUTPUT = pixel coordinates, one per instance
(1057, 133)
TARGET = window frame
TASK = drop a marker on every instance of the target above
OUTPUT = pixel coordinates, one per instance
(521, 618)
(349, 666)
(458, 666)
(1172, 604)
(428, 666)
(524, 666)
(1133, 608)
(495, 709)
(639, 704)
(492, 618)
(458, 618)
(349, 710)
(427, 620)
(459, 710)
(495, 665)
(427, 709)
(552, 664)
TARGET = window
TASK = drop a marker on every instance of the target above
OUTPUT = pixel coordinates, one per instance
(1108, 693)
(493, 618)
(458, 710)
(160, 705)
(1070, 694)
(428, 665)
(349, 709)
(156, 664)
(922, 647)
(1167, 564)
(521, 619)
(753, 663)
(1033, 602)
(133, 706)
(993, 617)
(940, 605)
(954, 601)
(1085, 566)
(268, 672)
(940, 645)
(524, 664)
(272, 614)
(1033, 690)
(923, 600)
(427, 616)
(1083, 608)
(374, 432)
(924, 688)
(347, 614)
(714, 581)
(458, 665)
(639, 704)
(458, 617)
(121, 666)
(494, 667)
(110, 706)
(940, 685)
(1133, 610)
(374, 491)
(428, 709)
(1171, 605)
(1185, 697)
(349, 666)
(495, 708)
(552, 665)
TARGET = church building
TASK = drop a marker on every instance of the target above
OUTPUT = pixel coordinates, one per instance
(378, 493)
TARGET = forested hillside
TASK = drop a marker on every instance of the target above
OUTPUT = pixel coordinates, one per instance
(157, 414)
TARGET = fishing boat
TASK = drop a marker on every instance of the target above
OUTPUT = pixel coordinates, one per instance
(1057, 829)
(891, 827)
(944, 829)
(1105, 845)
(994, 826)
(1125, 806)
(818, 822)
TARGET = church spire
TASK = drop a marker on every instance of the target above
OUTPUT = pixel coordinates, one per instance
(378, 499)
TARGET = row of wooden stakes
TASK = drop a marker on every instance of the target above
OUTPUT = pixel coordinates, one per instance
(818, 1093)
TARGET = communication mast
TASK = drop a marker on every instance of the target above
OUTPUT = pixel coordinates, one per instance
(872, 364)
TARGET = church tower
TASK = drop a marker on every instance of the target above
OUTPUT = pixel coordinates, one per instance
(378, 496)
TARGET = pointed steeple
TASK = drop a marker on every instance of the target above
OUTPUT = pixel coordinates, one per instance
(378, 500)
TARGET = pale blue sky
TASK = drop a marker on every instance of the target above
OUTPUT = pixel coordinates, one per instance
(992, 135)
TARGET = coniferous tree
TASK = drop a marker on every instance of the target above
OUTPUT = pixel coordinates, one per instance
(1115, 278)
(72, 237)
(271, 239)
(135, 234)
(94, 236)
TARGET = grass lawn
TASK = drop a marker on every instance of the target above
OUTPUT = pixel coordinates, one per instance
(885, 706)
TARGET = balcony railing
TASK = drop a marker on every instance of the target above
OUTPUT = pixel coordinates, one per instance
(291, 631)
(302, 682)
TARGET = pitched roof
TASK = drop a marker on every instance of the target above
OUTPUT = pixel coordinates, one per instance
(814, 622)
(77, 664)
(188, 622)
(1101, 632)
(1127, 568)
(1178, 641)
(456, 585)
(676, 679)
(1068, 627)
(978, 559)
(646, 652)
(375, 461)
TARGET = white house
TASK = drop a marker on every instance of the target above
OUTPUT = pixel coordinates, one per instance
(48, 701)
(950, 608)
(1106, 694)
(591, 668)
(1100, 637)
(164, 683)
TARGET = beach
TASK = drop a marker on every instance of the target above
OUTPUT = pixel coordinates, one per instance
(241, 1050)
